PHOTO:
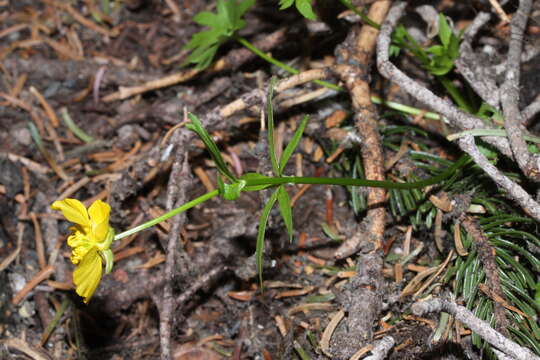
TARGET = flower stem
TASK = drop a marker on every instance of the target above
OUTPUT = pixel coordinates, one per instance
(449, 171)
(364, 17)
(280, 64)
(375, 99)
(167, 215)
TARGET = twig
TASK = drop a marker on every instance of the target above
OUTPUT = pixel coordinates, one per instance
(530, 111)
(22, 346)
(478, 77)
(40, 249)
(499, 10)
(486, 253)
(528, 163)
(39, 277)
(514, 191)
(480, 327)
(233, 59)
(329, 330)
(249, 99)
(9, 259)
(364, 302)
(81, 19)
(176, 196)
(203, 280)
(126, 92)
(457, 118)
(382, 348)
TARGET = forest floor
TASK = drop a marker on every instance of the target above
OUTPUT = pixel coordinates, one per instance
(188, 288)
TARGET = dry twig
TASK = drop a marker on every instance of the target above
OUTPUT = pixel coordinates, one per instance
(456, 117)
(528, 163)
(480, 327)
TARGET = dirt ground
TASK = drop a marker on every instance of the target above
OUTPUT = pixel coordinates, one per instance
(188, 288)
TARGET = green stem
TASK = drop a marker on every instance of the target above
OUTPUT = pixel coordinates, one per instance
(455, 94)
(364, 17)
(449, 171)
(404, 108)
(489, 132)
(74, 128)
(374, 99)
(282, 65)
(168, 215)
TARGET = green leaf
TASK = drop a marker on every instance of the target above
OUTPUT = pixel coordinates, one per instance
(394, 50)
(244, 6)
(254, 176)
(202, 56)
(285, 208)
(445, 31)
(453, 47)
(237, 11)
(437, 50)
(233, 191)
(223, 25)
(284, 4)
(304, 7)
(287, 153)
(206, 18)
(211, 146)
(270, 117)
(203, 39)
(259, 249)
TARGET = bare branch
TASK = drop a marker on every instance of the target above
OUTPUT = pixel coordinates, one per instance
(480, 327)
(457, 118)
(530, 111)
(382, 348)
(478, 76)
(528, 163)
(514, 191)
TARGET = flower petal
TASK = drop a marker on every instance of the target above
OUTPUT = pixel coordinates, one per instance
(87, 275)
(73, 211)
(99, 215)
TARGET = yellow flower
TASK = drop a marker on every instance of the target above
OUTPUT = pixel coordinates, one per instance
(90, 240)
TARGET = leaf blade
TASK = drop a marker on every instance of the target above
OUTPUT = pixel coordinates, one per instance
(291, 146)
(270, 117)
(259, 248)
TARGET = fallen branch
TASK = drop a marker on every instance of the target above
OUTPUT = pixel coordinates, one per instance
(480, 327)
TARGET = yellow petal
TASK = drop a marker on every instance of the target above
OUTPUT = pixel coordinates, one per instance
(73, 210)
(99, 215)
(87, 275)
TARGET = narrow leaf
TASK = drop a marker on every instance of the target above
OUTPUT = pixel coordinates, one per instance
(304, 7)
(250, 176)
(260, 234)
(211, 146)
(285, 209)
(270, 116)
(445, 32)
(244, 6)
(287, 153)
(205, 18)
(285, 4)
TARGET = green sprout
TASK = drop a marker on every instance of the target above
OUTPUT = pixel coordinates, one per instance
(304, 7)
(223, 26)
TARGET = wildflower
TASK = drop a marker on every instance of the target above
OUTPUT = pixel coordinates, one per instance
(90, 240)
